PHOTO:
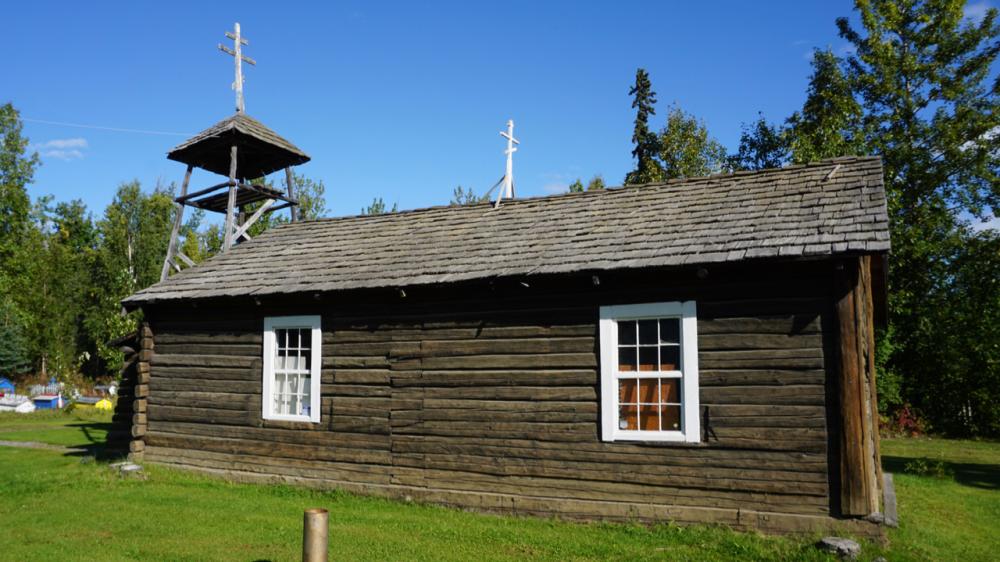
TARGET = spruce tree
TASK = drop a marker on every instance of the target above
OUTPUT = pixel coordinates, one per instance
(646, 142)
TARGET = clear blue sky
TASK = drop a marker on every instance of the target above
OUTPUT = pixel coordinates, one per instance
(400, 100)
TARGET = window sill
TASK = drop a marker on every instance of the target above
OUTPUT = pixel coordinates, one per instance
(653, 437)
(290, 420)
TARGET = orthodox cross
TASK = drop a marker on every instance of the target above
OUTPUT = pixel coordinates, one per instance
(508, 177)
(237, 53)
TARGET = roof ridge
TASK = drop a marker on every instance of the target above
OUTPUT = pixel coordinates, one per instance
(598, 192)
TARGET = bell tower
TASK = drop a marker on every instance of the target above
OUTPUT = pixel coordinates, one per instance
(241, 149)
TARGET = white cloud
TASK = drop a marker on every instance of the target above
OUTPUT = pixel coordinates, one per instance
(62, 149)
(974, 12)
(63, 154)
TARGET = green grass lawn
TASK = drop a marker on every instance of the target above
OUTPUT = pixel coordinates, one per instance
(83, 427)
(949, 498)
(53, 506)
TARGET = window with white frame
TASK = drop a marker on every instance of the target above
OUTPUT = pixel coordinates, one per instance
(292, 360)
(649, 372)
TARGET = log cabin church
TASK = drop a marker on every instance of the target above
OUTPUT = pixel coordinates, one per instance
(694, 351)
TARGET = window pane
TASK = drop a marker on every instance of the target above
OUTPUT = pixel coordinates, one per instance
(670, 330)
(671, 418)
(626, 332)
(647, 332)
(276, 394)
(670, 391)
(649, 418)
(647, 359)
(670, 357)
(626, 391)
(647, 391)
(305, 341)
(306, 394)
(626, 359)
(627, 417)
(280, 338)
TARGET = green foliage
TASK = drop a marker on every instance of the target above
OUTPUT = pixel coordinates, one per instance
(14, 356)
(935, 468)
(63, 275)
(311, 195)
(378, 208)
(683, 148)
(462, 196)
(762, 146)
(56, 285)
(686, 148)
(134, 234)
(921, 75)
(830, 122)
(595, 183)
(17, 168)
(888, 382)
(312, 198)
(646, 142)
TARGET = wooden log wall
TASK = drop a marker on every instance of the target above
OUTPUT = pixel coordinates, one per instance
(488, 397)
(860, 460)
(129, 419)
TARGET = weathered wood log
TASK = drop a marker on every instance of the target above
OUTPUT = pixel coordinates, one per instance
(201, 385)
(760, 377)
(310, 434)
(253, 447)
(269, 465)
(623, 453)
(666, 477)
(204, 361)
(565, 393)
(548, 360)
(527, 377)
(859, 489)
(606, 491)
(777, 395)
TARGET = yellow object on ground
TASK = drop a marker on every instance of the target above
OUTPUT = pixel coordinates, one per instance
(104, 405)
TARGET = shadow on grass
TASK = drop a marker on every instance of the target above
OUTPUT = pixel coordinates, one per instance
(985, 476)
(96, 434)
(89, 428)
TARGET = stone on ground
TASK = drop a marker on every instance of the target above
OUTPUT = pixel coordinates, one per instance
(845, 548)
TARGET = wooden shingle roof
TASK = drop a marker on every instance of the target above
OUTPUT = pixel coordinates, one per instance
(823, 209)
(260, 150)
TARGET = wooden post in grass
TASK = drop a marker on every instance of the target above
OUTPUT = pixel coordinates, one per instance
(315, 526)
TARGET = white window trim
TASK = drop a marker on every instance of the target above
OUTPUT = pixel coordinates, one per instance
(609, 317)
(271, 324)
